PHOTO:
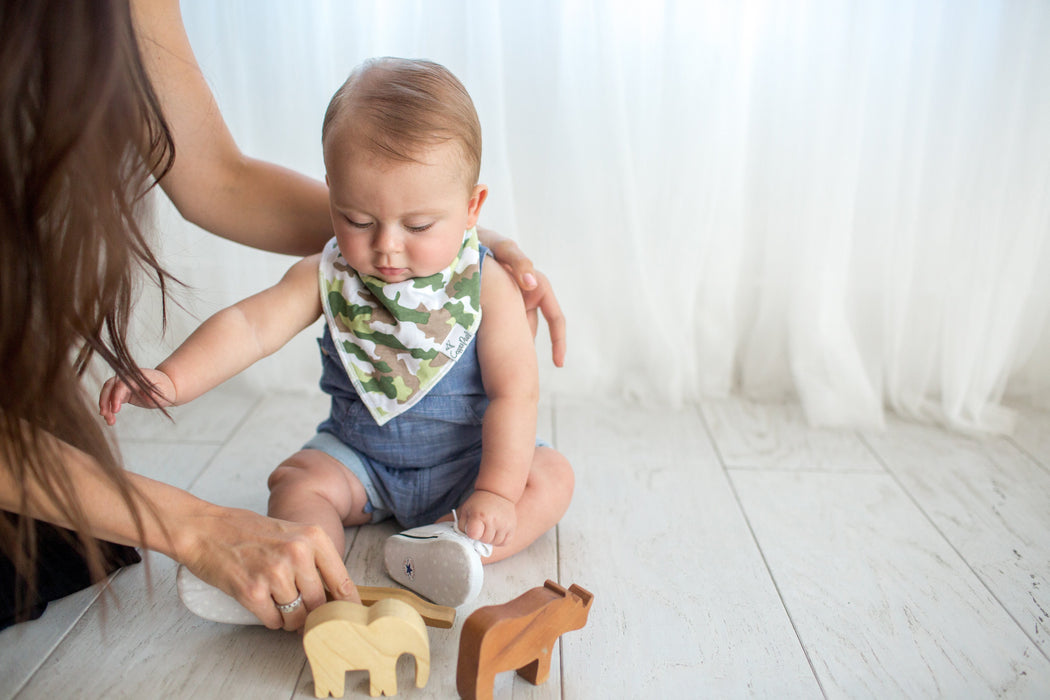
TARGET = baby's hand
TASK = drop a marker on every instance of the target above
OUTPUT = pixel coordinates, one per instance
(488, 518)
(115, 393)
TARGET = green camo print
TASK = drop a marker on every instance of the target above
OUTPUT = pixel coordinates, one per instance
(391, 337)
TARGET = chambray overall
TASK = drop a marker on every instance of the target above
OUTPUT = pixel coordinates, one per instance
(423, 463)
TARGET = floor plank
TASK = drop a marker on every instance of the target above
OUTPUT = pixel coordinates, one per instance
(882, 603)
(24, 648)
(683, 604)
(991, 502)
(751, 435)
(178, 464)
(211, 418)
(1032, 434)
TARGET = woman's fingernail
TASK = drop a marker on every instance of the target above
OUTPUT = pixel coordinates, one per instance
(529, 279)
(346, 587)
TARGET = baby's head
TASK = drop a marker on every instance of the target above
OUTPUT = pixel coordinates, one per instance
(402, 150)
(399, 109)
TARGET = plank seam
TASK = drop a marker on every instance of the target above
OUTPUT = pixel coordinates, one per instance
(761, 553)
(951, 545)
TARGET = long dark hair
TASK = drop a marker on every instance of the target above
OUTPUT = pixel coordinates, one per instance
(82, 138)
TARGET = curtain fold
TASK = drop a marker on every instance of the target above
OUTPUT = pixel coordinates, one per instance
(840, 201)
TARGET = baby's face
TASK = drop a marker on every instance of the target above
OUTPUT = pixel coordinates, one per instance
(396, 220)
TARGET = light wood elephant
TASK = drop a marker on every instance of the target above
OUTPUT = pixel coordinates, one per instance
(340, 636)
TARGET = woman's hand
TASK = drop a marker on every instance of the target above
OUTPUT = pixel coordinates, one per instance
(264, 562)
(535, 289)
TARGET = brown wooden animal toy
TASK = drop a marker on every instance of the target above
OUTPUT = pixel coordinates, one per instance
(518, 635)
(341, 636)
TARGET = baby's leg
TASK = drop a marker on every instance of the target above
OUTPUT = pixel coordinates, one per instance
(313, 487)
(547, 494)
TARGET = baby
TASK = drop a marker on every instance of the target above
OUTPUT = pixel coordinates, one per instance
(429, 363)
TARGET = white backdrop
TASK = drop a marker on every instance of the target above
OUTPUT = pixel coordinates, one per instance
(844, 201)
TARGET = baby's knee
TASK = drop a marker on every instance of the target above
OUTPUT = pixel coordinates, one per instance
(311, 476)
(292, 473)
(555, 472)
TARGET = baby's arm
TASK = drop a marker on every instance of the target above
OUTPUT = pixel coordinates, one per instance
(508, 369)
(227, 343)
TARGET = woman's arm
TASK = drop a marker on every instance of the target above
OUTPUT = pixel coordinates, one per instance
(255, 559)
(212, 183)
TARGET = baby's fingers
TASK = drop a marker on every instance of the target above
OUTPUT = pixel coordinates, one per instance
(473, 526)
(494, 532)
(502, 534)
(113, 395)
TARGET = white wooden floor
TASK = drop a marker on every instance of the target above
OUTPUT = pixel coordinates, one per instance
(732, 551)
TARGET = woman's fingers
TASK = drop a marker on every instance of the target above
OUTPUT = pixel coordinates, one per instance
(542, 297)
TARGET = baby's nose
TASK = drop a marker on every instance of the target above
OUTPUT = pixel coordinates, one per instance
(386, 240)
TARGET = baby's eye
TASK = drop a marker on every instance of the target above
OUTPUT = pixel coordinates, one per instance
(357, 224)
(419, 229)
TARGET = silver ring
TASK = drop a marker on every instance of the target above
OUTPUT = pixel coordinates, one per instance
(290, 607)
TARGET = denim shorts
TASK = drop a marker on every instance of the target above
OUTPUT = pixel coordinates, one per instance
(413, 497)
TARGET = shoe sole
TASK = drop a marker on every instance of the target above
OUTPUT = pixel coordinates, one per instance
(207, 601)
(441, 570)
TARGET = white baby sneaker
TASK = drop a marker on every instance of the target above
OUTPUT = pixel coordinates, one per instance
(438, 562)
(207, 601)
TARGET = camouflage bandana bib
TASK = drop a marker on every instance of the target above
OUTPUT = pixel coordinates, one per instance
(397, 340)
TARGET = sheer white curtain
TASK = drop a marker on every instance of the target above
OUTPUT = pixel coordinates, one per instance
(844, 201)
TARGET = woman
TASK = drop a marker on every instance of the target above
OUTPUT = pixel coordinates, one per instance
(82, 134)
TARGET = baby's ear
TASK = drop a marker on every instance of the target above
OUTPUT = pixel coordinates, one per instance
(477, 198)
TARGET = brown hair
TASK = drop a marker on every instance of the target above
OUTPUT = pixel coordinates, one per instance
(80, 134)
(402, 106)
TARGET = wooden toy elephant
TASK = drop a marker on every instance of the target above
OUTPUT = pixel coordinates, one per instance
(518, 635)
(341, 636)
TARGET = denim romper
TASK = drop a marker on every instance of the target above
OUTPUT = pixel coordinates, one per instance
(421, 464)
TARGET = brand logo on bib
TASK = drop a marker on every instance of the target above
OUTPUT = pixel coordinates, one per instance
(456, 342)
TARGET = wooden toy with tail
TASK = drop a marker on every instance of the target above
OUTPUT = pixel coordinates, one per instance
(518, 635)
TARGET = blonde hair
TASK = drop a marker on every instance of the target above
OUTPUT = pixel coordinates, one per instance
(399, 107)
